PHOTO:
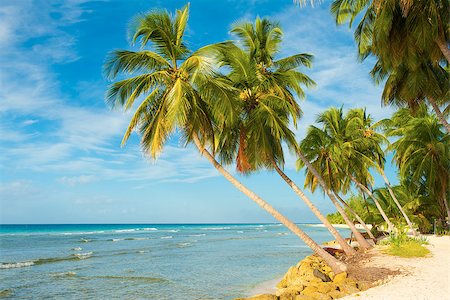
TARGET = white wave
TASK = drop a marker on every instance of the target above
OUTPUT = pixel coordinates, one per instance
(80, 233)
(170, 230)
(264, 230)
(116, 240)
(85, 240)
(142, 251)
(124, 230)
(83, 255)
(77, 249)
(240, 231)
(183, 245)
(16, 265)
(282, 233)
(150, 229)
(215, 228)
(201, 234)
(167, 237)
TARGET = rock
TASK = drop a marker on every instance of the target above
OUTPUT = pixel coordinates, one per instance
(303, 297)
(336, 294)
(326, 287)
(339, 278)
(320, 296)
(322, 276)
(309, 290)
(351, 281)
(348, 289)
(291, 290)
(260, 297)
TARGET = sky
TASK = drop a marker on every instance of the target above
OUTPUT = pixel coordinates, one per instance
(60, 154)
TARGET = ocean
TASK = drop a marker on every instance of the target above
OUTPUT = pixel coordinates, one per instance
(146, 261)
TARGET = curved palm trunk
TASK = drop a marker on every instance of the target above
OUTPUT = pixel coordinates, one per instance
(361, 240)
(346, 247)
(439, 114)
(380, 209)
(391, 192)
(360, 220)
(444, 49)
(334, 264)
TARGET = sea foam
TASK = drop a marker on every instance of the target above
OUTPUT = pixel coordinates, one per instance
(16, 265)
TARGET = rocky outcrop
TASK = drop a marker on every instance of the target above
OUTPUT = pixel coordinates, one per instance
(312, 279)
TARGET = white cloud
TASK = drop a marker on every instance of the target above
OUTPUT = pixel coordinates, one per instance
(75, 180)
(18, 190)
(76, 144)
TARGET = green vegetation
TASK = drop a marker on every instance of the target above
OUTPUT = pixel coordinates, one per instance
(404, 246)
(408, 249)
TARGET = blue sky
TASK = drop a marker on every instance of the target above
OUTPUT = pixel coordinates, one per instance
(61, 160)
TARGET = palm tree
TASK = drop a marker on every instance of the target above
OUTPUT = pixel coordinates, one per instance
(313, 146)
(369, 143)
(410, 86)
(266, 102)
(397, 30)
(177, 90)
(410, 40)
(422, 154)
(339, 146)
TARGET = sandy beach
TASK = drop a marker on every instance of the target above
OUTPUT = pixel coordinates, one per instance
(420, 278)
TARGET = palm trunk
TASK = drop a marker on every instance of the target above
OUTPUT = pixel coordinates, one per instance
(349, 251)
(439, 114)
(442, 44)
(380, 209)
(445, 200)
(361, 240)
(447, 209)
(360, 220)
(334, 264)
(391, 192)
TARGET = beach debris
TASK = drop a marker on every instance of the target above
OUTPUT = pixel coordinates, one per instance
(334, 251)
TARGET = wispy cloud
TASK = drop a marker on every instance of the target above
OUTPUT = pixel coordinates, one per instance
(78, 144)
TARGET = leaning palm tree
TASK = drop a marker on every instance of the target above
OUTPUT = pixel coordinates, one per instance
(266, 105)
(337, 139)
(314, 147)
(369, 142)
(262, 44)
(177, 90)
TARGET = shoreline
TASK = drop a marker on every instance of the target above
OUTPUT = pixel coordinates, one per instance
(265, 287)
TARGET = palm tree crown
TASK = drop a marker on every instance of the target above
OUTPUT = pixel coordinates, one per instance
(169, 80)
(264, 98)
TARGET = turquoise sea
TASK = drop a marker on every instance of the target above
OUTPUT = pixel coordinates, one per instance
(146, 261)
